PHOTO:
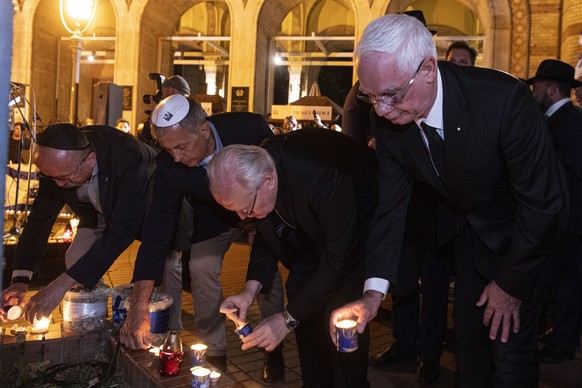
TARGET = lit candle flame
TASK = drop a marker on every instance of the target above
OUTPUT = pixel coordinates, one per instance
(40, 326)
(346, 324)
(199, 347)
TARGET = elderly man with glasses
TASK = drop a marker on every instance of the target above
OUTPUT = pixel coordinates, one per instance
(313, 206)
(189, 140)
(476, 136)
(106, 177)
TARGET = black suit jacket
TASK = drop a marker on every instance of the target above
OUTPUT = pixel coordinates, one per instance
(327, 191)
(566, 130)
(126, 170)
(503, 178)
(174, 181)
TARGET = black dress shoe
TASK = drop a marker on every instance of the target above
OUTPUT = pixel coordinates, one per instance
(551, 354)
(217, 362)
(392, 355)
(428, 371)
(274, 368)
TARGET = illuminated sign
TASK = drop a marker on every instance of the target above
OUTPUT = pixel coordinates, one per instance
(300, 112)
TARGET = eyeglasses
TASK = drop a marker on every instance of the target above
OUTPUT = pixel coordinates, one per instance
(248, 213)
(390, 98)
(68, 178)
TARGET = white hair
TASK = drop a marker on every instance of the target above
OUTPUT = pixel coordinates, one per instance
(245, 165)
(400, 36)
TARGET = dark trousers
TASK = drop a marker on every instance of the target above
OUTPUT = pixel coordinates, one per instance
(322, 366)
(567, 297)
(421, 327)
(482, 362)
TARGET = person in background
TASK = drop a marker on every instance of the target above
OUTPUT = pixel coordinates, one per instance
(476, 136)
(552, 86)
(106, 177)
(312, 206)
(289, 124)
(175, 84)
(460, 53)
(123, 125)
(578, 96)
(189, 140)
(18, 145)
(317, 121)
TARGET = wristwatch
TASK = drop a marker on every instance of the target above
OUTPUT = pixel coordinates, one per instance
(291, 322)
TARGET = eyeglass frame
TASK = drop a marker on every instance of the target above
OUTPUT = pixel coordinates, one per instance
(248, 213)
(67, 179)
(395, 97)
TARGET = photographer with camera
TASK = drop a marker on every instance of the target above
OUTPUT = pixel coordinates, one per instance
(175, 85)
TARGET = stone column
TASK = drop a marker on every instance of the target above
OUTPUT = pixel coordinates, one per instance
(294, 83)
(210, 70)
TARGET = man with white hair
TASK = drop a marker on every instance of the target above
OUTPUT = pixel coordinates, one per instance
(477, 137)
(312, 206)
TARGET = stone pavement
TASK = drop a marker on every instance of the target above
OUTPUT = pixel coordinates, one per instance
(245, 366)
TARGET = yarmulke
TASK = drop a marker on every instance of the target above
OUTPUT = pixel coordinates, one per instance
(170, 111)
(177, 82)
(63, 136)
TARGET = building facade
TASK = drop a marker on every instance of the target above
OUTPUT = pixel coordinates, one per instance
(255, 52)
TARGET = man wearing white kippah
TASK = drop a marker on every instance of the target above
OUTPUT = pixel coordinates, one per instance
(189, 141)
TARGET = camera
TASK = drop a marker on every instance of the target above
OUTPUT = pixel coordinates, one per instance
(155, 98)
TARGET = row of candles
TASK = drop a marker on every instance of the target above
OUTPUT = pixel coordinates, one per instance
(170, 354)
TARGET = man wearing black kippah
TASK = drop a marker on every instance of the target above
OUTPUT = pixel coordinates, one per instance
(106, 177)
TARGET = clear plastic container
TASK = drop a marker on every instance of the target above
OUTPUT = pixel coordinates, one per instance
(85, 310)
(159, 309)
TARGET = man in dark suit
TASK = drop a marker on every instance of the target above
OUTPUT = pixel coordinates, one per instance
(313, 193)
(486, 151)
(425, 332)
(418, 329)
(189, 140)
(552, 85)
(106, 177)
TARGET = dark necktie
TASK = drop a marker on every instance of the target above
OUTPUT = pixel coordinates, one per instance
(436, 151)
